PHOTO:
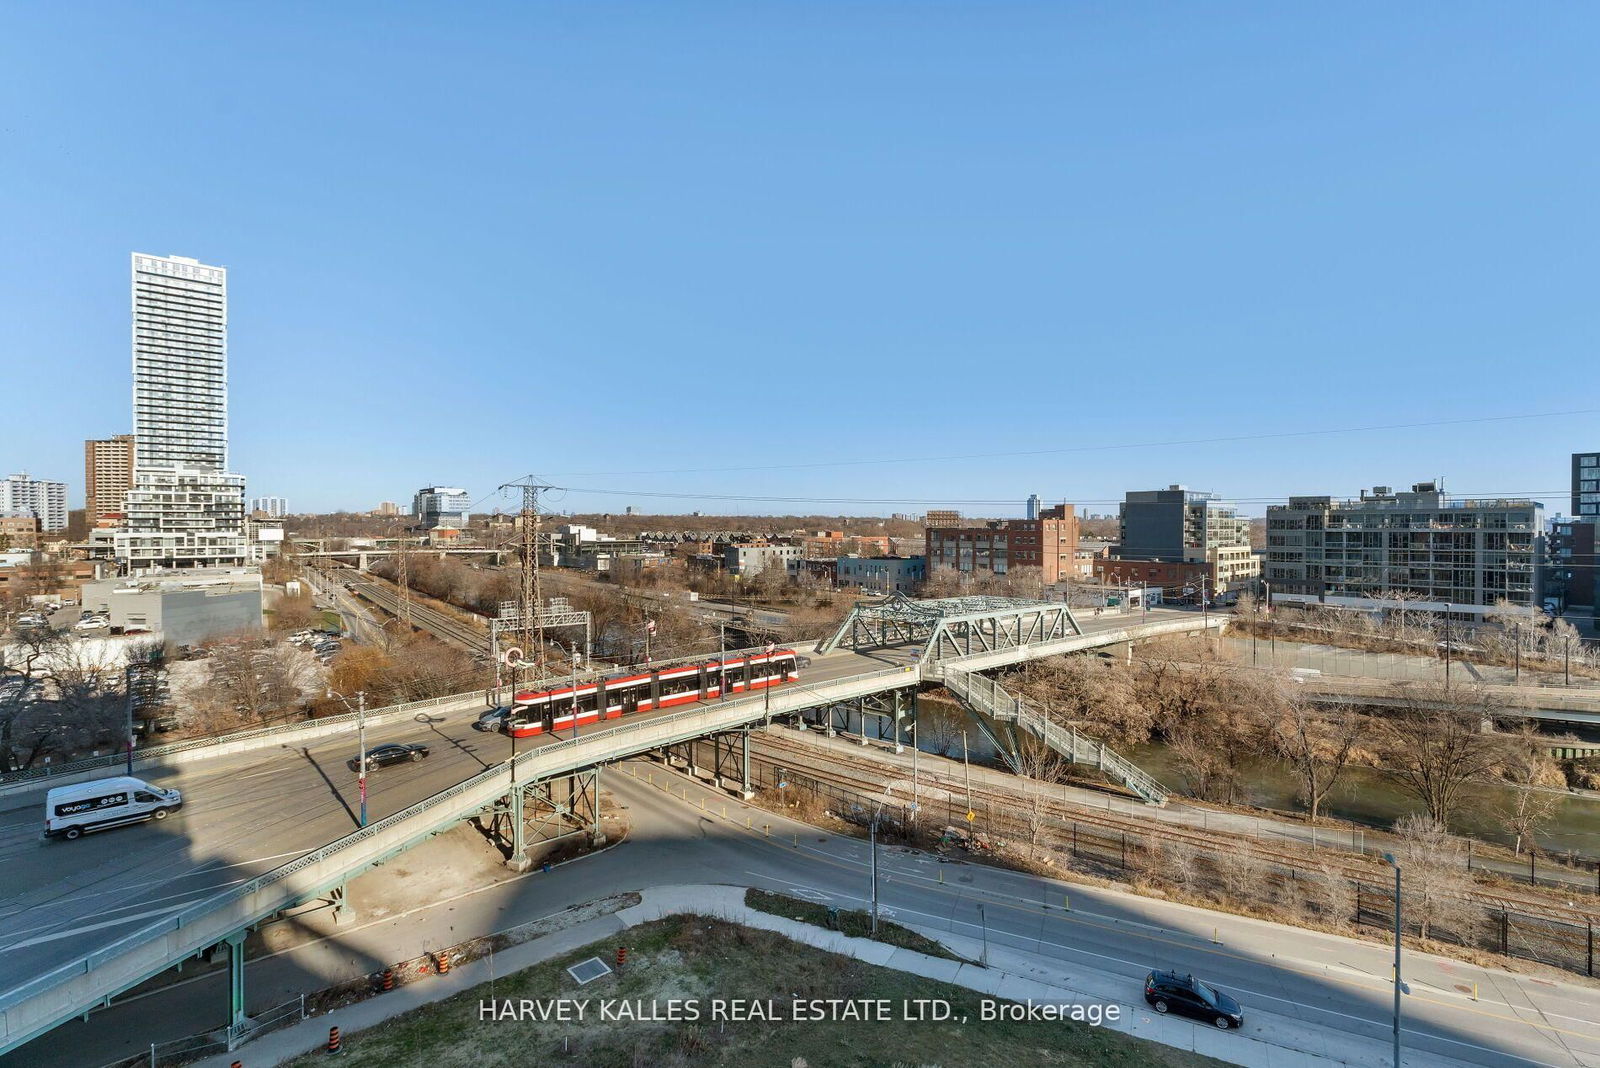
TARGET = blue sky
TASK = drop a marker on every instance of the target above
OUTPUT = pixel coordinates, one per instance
(587, 240)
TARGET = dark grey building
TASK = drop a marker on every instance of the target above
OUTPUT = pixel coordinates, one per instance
(1181, 525)
(1586, 485)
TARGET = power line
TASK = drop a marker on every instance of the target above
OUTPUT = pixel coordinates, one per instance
(978, 502)
(1092, 448)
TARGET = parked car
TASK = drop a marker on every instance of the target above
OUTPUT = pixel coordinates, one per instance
(1172, 992)
(381, 756)
(92, 624)
(31, 619)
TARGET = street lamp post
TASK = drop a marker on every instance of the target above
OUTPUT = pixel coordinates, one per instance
(129, 676)
(572, 648)
(872, 832)
(1398, 985)
(361, 744)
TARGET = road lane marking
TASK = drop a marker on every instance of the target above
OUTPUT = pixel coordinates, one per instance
(1312, 970)
(93, 927)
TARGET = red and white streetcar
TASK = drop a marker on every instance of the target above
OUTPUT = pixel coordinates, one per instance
(547, 711)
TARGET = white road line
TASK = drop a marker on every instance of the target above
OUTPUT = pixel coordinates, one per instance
(92, 927)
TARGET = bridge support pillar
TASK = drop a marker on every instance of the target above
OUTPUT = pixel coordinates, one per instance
(519, 859)
(744, 768)
(339, 899)
(597, 836)
(236, 1014)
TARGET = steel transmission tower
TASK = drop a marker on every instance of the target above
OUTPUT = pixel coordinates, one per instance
(530, 609)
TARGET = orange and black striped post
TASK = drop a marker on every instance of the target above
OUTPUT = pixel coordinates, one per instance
(333, 1040)
(622, 957)
(388, 978)
(444, 962)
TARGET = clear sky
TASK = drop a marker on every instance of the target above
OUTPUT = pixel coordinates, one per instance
(590, 240)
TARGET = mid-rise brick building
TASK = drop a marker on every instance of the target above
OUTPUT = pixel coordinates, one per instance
(1049, 543)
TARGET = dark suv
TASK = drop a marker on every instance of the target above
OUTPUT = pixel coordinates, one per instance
(1171, 992)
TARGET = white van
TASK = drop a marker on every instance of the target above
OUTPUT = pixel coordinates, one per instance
(71, 811)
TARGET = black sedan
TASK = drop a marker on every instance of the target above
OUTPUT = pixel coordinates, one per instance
(1171, 992)
(381, 756)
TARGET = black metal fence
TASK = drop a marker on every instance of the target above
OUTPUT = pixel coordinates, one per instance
(1253, 879)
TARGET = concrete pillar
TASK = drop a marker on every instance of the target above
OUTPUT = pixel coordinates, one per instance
(236, 979)
(744, 770)
(519, 859)
(597, 837)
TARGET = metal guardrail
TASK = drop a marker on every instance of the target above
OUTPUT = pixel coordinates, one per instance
(1000, 704)
(719, 716)
(47, 771)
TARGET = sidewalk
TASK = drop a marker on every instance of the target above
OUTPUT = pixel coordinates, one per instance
(1012, 975)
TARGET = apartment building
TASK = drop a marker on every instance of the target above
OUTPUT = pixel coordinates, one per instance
(881, 574)
(1437, 553)
(1049, 543)
(107, 477)
(1179, 525)
(38, 498)
(441, 506)
(184, 508)
(1586, 485)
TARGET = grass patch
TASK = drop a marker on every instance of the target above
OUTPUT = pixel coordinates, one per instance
(857, 923)
(330, 621)
(693, 957)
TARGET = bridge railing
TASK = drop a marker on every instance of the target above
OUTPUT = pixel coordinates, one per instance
(998, 703)
(323, 724)
(68, 989)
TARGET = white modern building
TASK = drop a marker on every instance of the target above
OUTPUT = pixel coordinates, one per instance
(441, 506)
(185, 509)
(183, 517)
(40, 498)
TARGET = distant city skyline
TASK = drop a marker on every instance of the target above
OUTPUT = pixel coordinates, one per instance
(669, 239)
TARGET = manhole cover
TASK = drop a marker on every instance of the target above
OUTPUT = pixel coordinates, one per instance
(587, 971)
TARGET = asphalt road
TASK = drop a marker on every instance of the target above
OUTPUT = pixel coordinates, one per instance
(1284, 977)
(243, 815)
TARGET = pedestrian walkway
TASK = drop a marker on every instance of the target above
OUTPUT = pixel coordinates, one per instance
(1268, 1041)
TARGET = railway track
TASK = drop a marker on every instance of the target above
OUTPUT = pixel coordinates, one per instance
(425, 617)
(852, 774)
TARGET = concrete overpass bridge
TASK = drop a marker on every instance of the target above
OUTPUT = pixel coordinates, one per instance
(88, 922)
(361, 558)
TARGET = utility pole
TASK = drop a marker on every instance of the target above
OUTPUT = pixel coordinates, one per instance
(531, 602)
(361, 743)
(403, 574)
(966, 769)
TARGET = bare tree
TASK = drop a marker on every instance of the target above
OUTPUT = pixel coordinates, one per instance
(1333, 895)
(1527, 767)
(1315, 743)
(1436, 743)
(1088, 693)
(253, 678)
(1038, 764)
(1437, 886)
(1240, 872)
(938, 728)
